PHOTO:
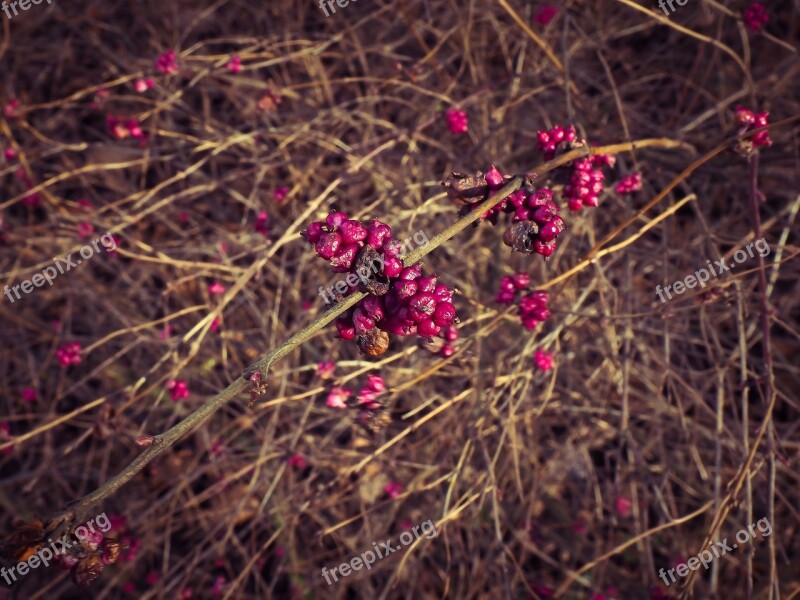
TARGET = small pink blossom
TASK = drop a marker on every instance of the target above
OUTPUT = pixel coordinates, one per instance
(167, 62)
(337, 397)
(166, 332)
(29, 394)
(5, 435)
(393, 489)
(543, 360)
(624, 506)
(178, 389)
(234, 64)
(216, 288)
(297, 461)
(69, 354)
(325, 369)
(85, 229)
(281, 193)
(457, 121)
(545, 14)
(215, 324)
(84, 204)
(9, 154)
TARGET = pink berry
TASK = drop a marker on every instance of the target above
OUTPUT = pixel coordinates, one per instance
(494, 178)
(352, 232)
(422, 306)
(444, 314)
(336, 218)
(392, 267)
(428, 328)
(328, 245)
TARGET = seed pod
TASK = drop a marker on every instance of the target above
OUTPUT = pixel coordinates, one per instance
(466, 189)
(521, 236)
(111, 551)
(374, 342)
(366, 266)
(88, 569)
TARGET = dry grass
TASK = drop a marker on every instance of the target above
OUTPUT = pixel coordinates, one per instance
(520, 470)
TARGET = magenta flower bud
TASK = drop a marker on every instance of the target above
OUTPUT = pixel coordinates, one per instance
(570, 135)
(543, 137)
(427, 284)
(352, 231)
(392, 267)
(328, 245)
(494, 178)
(540, 198)
(447, 351)
(520, 280)
(412, 272)
(405, 289)
(557, 133)
(744, 116)
(313, 232)
(575, 204)
(336, 218)
(427, 328)
(376, 383)
(344, 326)
(541, 313)
(344, 258)
(591, 200)
(422, 306)
(444, 314)
(545, 214)
(544, 248)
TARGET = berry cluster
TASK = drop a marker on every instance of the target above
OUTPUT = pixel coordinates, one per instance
(122, 128)
(510, 285)
(628, 185)
(750, 120)
(532, 307)
(402, 301)
(550, 140)
(69, 354)
(755, 16)
(372, 414)
(89, 556)
(586, 181)
(449, 335)
(457, 120)
(535, 224)
(167, 62)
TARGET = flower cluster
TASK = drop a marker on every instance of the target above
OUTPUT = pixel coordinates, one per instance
(586, 181)
(628, 185)
(234, 64)
(167, 62)
(402, 301)
(69, 354)
(142, 85)
(371, 411)
(750, 120)
(457, 120)
(550, 140)
(543, 360)
(755, 16)
(88, 558)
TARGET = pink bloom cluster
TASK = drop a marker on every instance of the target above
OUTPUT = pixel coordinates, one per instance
(401, 300)
(543, 360)
(85, 229)
(537, 207)
(449, 335)
(628, 185)
(29, 394)
(337, 397)
(69, 354)
(457, 120)
(367, 397)
(297, 461)
(750, 120)
(325, 369)
(393, 489)
(550, 140)
(178, 389)
(586, 182)
(509, 285)
(167, 62)
(216, 289)
(545, 14)
(234, 64)
(533, 309)
(281, 193)
(755, 16)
